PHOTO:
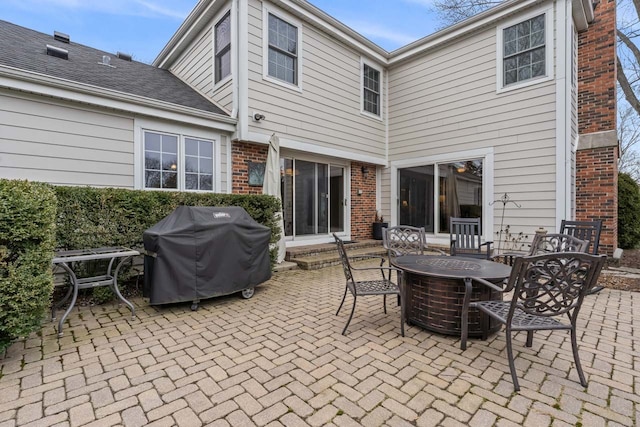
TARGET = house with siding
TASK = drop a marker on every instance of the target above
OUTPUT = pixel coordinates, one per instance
(519, 100)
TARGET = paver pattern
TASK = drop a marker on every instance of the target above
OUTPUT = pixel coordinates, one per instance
(279, 359)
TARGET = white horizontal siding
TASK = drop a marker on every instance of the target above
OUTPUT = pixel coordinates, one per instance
(327, 111)
(445, 101)
(195, 65)
(64, 143)
(223, 95)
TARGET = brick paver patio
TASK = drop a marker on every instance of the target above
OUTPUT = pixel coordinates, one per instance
(279, 359)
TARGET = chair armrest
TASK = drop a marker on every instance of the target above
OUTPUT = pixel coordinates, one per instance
(429, 249)
(487, 283)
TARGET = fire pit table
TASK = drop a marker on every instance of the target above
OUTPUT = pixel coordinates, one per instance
(434, 291)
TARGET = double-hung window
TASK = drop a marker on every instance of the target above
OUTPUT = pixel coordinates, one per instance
(174, 162)
(524, 50)
(371, 89)
(282, 50)
(223, 48)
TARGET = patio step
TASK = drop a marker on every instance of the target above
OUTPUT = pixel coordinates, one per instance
(315, 257)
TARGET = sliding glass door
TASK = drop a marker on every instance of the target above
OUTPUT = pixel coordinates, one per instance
(429, 195)
(312, 197)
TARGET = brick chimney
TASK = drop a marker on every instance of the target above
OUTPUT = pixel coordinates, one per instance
(597, 155)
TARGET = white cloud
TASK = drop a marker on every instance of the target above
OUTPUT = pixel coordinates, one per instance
(375, 31)
(426, 3)
(147, 8)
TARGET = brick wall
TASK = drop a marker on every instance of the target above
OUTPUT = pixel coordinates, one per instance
(597, 71)
(363, 206)
(242, 153)
(597, 192)
(597, 156)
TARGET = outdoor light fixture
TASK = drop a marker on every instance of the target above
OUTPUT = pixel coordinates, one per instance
(258, 116)
(364, 171)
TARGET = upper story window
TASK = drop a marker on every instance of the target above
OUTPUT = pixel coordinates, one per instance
(283, 50)
(371, 88)
(525, 51)
(177, 163)
(223, 48)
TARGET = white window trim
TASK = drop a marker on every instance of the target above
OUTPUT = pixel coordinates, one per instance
(549, 31)
(182, 132)
(484, 154)
(216, 21)
(378, 68)
(266, 10)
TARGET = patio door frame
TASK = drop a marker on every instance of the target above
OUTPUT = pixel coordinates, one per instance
(487, 157)
(307, 239)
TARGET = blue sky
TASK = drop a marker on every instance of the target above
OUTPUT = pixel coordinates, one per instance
(142, 27)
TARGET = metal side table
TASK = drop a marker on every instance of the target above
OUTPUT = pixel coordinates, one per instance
(64, 259)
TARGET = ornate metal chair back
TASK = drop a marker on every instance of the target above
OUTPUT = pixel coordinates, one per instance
(556, 242)
(404, 240)
(584, 230)
(552, 284)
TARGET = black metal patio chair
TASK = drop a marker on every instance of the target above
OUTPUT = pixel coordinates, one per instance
(548, 243)
(405, 240)
(585, 230)
(466, 238)
(383, 286)
(544, 287)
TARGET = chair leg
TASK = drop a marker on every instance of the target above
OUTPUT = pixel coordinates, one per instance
(342, 302)
(512, 364)
(529, 338)
(595, 290)
(576, 356)
(384, 303)
(344, 331)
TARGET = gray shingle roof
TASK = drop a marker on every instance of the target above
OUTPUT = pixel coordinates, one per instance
(25, 49)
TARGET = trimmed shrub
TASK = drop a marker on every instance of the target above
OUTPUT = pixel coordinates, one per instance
(27, 241)
(94, 217)
(628, 212)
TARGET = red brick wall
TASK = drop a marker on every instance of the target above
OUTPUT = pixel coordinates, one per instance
(597, 71)
(363, 206)
(596, 164)
(597, 192)
(241, 154)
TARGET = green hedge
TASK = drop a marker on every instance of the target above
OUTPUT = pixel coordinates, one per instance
(94, 217)
(628, 212)
(27, 241)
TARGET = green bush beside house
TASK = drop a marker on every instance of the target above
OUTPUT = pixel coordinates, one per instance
(27, 241)
(628, 212)
(36, 218)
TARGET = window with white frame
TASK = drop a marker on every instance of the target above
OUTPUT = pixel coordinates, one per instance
(223, 47)
(174, 162)
(524, 50)
(282, 50)
(371, 89)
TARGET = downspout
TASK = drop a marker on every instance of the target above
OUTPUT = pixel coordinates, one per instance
(243, 69)
(562, 142)
(234, 59)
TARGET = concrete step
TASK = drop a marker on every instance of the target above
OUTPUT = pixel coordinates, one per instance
(311, 250)
(323, 259)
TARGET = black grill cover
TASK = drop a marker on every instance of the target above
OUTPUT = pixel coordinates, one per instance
(202, 252)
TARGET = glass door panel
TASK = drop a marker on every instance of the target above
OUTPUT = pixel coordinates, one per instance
(323, 198)
(286, 190)
(305, 198)
(337, 200)
(416, 197)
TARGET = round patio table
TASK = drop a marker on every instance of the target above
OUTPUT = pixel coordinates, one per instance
(434, 292)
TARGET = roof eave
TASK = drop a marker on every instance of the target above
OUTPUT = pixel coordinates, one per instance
(14, 78)
(482, 19)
